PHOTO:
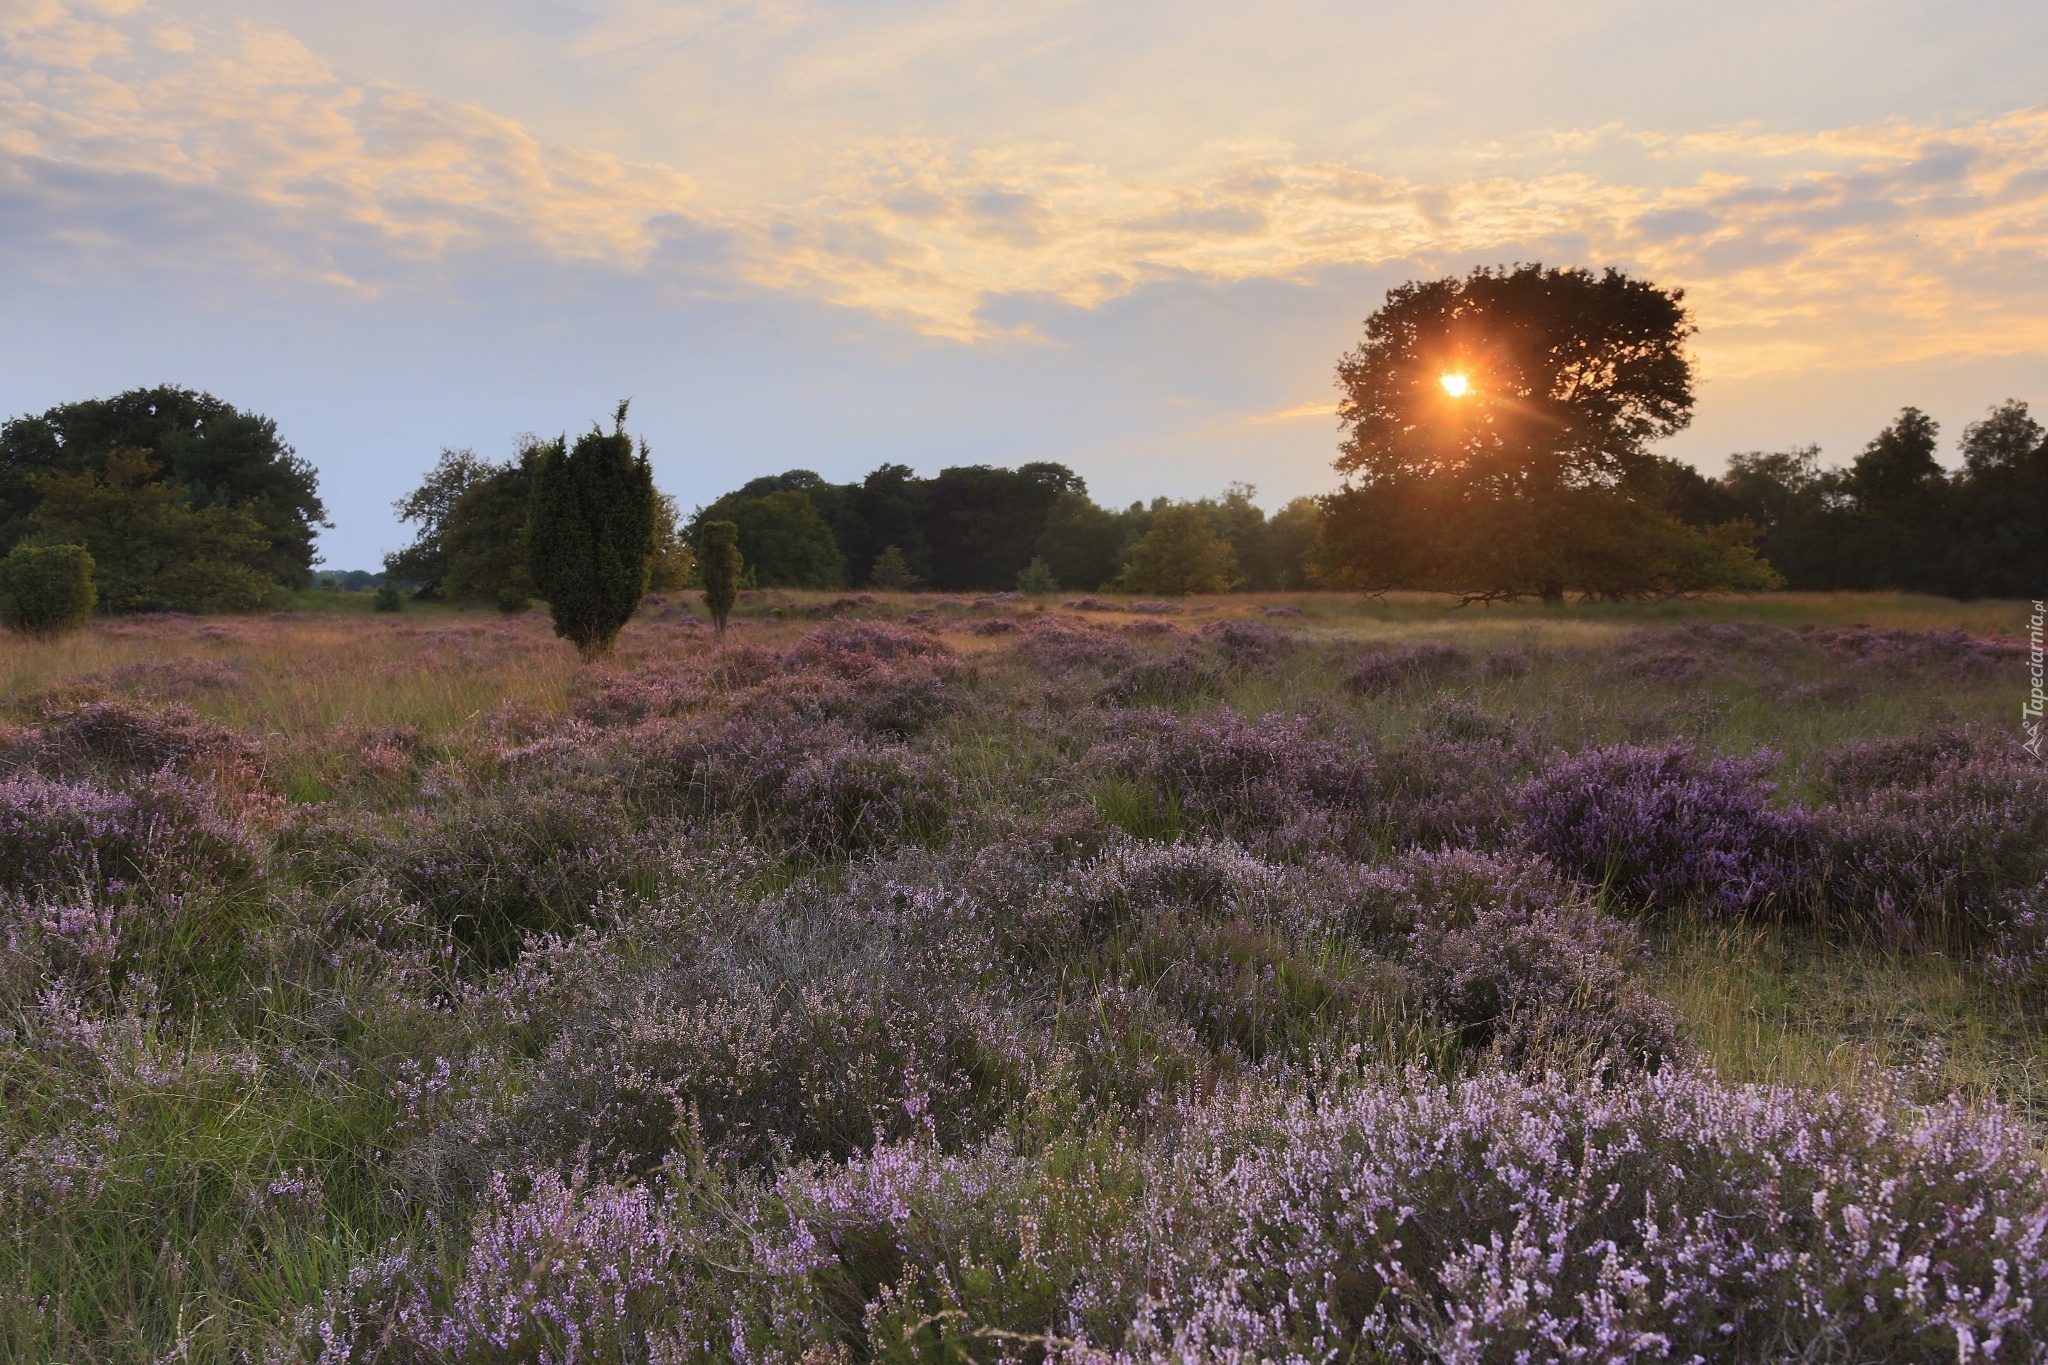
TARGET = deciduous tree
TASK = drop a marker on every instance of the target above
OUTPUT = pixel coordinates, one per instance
(1498, 442)
(152, 550)
(1181, 554)
(216, 455)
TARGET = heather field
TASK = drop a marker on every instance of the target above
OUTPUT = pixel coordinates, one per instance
(904, 977)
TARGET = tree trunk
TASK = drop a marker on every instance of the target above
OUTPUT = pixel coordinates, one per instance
(1553, 594)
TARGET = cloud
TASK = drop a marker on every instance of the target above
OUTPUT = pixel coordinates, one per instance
(126, 137)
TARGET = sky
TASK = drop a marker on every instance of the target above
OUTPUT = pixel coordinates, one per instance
(1133, 237)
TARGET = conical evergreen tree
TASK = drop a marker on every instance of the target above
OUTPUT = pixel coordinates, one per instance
(590, 534)
(718, 567)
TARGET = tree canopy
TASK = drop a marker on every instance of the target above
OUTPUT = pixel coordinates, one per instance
(782, 538)
(1896, 517)
(211, 454)
(1497, 444)
(152, 549)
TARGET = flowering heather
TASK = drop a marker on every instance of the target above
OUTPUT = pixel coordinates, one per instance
(493, 867)
(57, 835)
(1275, 778)
(853, 649)
(1862, 766)
(1176, 677)
(122, 739)
(1669, 1217)
(1377, 674)
(1505, 664)
(1666, 826)
(175, 679)
(1934, 857)
(1079, 994)
(1247, 644)
(818, 786)
(1057, 648)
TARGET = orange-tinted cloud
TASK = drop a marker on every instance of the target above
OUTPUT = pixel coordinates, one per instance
(1843, 246)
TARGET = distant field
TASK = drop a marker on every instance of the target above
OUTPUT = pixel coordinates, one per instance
(917, 976)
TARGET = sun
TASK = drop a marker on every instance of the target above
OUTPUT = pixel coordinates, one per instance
(1454, 384)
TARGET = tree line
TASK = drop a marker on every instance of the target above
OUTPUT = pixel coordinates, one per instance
(1497, 446)
(976, 528)
(1497, 434)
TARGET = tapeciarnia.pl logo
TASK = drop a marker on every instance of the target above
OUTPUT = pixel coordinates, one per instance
(2030, 714)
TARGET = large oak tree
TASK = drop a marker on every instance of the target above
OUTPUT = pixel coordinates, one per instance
(1498, 443)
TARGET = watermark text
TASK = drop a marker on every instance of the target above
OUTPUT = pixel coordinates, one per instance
(2030, 714)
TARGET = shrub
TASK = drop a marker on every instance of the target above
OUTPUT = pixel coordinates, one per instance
(898, 701)
(1666, 827)
(1503, 1216)
(1059, 650)
(818, 787)
(56, 835)
(860, 795)
(1933, 859)
(154, 679)
(1858, 767)
(1504, 664)
(1246, 644)
(1377, 674)
(388, 598)
(1533, 970)
(121, 738)
(590, 534)
(850, 649)
(1175, 678)
(1273, 779)
(719, 568)
(46, 590)
(491, 867)
(1035, 579)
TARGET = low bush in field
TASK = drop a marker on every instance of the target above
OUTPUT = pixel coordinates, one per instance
(1668, 826)
(491, 867)
(121, 739)
(817, 787)
(1526, 1217)
(1930, 849)
(1426, 660)
(57, 835)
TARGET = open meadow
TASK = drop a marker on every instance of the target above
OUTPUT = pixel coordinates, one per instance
(1290, 976)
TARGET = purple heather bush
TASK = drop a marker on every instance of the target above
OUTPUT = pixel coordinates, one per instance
(1057, 649)
(121, 739)
(1424, 661)
(1504, 664)
(1513, 957)
(1177, 677)
(493, 866)
(899, 701)
(1669, 827)
(1934, 858)
(861, 999)
(849, 649)
(1272, 780)
(58, 836)
(1247, 644)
